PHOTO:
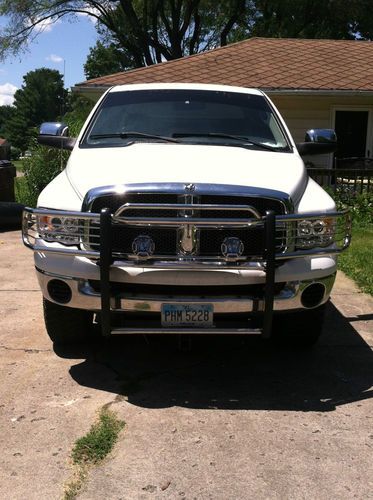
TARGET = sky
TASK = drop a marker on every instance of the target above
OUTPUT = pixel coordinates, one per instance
(64, 44)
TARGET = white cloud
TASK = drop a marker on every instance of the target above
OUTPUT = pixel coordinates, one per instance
(90, 10)
(54, 58)
(7, 94)
(46, 25)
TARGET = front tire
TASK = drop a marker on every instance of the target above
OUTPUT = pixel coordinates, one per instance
(299, 329)
(66, 325)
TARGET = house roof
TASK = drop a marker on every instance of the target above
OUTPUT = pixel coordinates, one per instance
(273, 64)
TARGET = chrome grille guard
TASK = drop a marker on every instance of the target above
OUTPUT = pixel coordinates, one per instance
(39, 240)
(41, 225)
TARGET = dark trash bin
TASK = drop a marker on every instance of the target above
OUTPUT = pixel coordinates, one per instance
(7, 175)
(10, 215)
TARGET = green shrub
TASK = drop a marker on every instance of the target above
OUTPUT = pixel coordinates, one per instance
(15, 153)
(359, 204)
(40, 168)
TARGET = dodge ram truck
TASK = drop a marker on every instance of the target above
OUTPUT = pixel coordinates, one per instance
(185, 209)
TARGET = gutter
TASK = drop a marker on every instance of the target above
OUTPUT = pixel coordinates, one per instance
(321, 93)
(91, 90)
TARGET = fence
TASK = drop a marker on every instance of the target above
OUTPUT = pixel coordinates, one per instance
(349, 176)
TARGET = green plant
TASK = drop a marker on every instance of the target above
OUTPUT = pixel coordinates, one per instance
(15, 153)
(91, 449)
(359, 204)
(357, 261)
(40, 168)
(99, 441)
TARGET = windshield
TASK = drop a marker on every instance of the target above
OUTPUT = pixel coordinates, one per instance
(186, 116)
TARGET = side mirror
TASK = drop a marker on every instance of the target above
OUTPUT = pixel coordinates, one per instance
(318, 141)
(55, 135)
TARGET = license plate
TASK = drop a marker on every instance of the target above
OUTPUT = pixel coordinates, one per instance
(187, 315)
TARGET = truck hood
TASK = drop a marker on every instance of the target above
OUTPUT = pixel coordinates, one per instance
(172, 163)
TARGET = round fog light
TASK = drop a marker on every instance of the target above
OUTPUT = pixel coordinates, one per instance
(143, 246)
(232, 247)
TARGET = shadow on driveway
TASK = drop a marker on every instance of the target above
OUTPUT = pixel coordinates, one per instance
(231, 372)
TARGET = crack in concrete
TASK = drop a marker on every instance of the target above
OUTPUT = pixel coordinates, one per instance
(24, 349)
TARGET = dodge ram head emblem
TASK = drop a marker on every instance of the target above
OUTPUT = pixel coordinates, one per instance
(190, 188)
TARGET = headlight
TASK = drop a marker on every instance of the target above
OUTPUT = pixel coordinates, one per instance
(65, 230)
(315, 233)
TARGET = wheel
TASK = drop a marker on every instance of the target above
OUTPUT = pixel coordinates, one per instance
(299, 329)
(66, 325)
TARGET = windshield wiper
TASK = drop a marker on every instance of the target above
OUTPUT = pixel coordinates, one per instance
(133, 134)
(245, 141)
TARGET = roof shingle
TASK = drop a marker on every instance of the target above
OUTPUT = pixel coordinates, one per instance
(267, 63)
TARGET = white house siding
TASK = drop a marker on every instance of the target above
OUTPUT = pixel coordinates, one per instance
(305, 112)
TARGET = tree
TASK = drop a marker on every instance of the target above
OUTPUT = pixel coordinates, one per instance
(78, 109)
(40, 99)
(106, 60)
(334, 19)
(149, 31)
(6, 113)
(144, 32)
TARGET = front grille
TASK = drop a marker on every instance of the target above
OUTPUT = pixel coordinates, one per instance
(261, 205)
(212, 239)
(166, 238)
(115, 201)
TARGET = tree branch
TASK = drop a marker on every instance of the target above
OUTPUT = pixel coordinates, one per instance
(238, 10)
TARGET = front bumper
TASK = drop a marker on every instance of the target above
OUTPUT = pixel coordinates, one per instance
(84, 296)
(264, 269)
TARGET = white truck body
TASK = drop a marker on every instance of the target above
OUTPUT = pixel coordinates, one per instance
(192, 169)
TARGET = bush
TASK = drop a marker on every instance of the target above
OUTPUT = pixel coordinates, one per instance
(15, 153)
(359, 204)
(40, 168)
(44, 164)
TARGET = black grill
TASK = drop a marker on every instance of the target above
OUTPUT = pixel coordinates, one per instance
(260, 204)
(165, 239)
(123, 236)
(113, 202)
(211, 240)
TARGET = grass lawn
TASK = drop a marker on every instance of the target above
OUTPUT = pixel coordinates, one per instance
(357, 261)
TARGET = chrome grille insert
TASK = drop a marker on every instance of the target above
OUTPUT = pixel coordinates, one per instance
(187, 225)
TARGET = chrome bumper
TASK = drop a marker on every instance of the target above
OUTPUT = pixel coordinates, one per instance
(83, 296)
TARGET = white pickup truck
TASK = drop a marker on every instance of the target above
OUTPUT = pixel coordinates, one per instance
(185, 209)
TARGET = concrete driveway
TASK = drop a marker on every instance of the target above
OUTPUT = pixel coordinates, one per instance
(231, 419)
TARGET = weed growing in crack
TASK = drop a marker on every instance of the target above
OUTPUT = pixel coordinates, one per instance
(92, 448)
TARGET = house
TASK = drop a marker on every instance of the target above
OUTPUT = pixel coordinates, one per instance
(314, 83)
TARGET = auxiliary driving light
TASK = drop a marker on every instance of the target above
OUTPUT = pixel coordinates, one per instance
(143, 246)
(232, 247)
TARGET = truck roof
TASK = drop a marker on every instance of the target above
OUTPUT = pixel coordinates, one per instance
(185, 86)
